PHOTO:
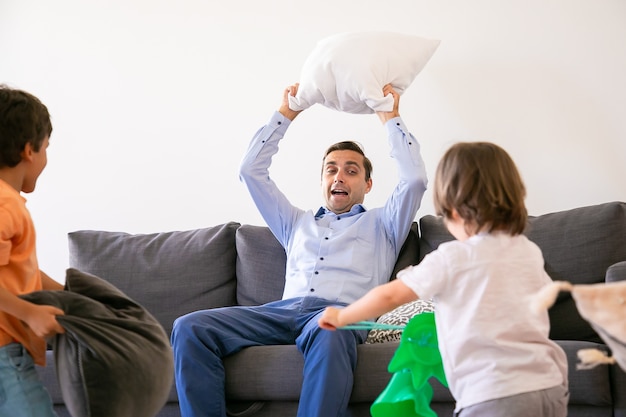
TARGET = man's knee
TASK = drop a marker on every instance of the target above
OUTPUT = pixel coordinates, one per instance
(186, 328)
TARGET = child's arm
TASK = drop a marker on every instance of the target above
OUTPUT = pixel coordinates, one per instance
(48, 283)
(40, 318)
(378, 301)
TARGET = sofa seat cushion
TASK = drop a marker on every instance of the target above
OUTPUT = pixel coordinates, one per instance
(169, 273)
(280, 377)
(587, 386)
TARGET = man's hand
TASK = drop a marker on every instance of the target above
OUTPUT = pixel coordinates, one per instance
(329, 320)
(284, 109)
(385, 116)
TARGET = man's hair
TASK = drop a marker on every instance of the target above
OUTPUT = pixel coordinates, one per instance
(351, 146)
(23, 119)
(481, 182)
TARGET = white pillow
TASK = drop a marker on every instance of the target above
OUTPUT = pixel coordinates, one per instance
(347, 71)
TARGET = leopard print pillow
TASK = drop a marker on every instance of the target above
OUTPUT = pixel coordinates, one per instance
(399, 316)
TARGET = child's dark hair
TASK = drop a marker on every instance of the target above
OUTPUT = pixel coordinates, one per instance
(481, 182)
(23, 119)
(351, 146)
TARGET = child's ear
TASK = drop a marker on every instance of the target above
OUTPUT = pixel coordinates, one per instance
(454, 215)
(27, 153)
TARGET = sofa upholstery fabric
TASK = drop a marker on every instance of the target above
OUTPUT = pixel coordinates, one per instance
(177, 272)
(169, 273)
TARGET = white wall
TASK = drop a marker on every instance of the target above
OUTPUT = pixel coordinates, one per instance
(154, 102)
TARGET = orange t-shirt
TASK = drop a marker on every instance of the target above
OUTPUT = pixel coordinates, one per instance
(19, 270)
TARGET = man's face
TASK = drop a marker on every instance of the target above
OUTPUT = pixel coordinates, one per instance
(343, 180)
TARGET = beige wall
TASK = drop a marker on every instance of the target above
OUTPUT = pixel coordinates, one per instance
(154, 102)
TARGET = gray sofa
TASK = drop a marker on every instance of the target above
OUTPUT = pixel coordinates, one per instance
(173, 273)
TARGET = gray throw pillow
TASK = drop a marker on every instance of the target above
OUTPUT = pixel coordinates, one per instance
(169, 273)
(260, 266)
(114, 358)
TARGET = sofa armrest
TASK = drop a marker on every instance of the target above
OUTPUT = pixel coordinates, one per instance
(616, 272)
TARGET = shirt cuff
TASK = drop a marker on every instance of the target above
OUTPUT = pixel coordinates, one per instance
(395, 124)
(279, 122)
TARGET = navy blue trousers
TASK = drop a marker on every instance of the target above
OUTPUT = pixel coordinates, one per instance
(201, 339)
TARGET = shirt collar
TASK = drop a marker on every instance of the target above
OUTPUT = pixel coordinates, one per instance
(356, 209)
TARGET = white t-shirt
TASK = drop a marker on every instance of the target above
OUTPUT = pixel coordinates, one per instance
(491, 343)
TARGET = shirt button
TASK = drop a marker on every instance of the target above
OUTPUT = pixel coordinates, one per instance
(280, 123)
(312, 289)
(316, 273)
(321, 258)
(326, 238)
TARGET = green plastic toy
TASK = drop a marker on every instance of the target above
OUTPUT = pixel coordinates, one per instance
(416, 360)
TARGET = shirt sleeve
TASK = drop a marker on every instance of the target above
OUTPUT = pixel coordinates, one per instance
(275, 208)
(428, 278)
(6, 232)
(401, 207)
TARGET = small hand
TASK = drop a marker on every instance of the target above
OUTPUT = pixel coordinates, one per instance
(385, 116)
(329, 320)
(42, 320)
(284, 109)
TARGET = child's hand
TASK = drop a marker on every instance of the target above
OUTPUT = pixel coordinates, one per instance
(42, 320)
(329, 320)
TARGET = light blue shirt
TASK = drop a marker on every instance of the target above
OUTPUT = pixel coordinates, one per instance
(336, 257)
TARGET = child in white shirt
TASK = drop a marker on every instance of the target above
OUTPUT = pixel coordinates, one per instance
(496, 353)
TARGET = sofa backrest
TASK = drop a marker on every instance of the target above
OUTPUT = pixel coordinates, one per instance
(261, 263)
(578, 246)
(169, 273)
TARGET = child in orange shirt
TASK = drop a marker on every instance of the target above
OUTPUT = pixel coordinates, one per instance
(25, 130)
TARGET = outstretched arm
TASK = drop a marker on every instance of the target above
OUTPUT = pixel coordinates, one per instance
(378, 301)
(402, 206)
(277, 211)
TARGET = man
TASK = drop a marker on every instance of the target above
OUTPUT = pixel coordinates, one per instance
(334, 256)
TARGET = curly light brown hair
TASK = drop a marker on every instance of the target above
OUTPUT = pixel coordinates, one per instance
(481, 182)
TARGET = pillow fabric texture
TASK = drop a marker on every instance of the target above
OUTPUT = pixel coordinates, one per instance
(115, 358)
(198, 266)
(398, 317)
(260, 266)
(347, 71)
